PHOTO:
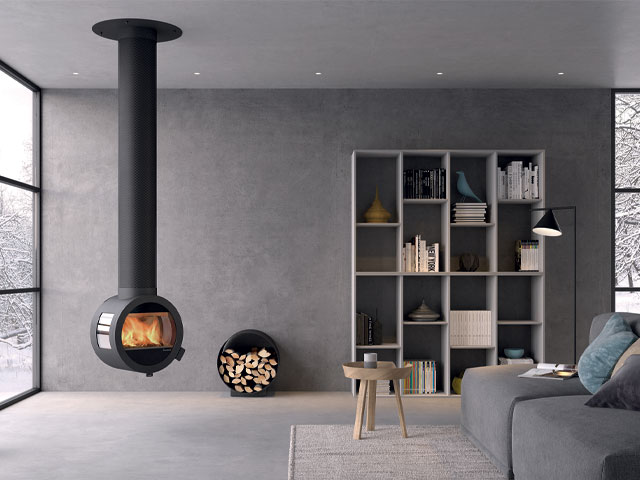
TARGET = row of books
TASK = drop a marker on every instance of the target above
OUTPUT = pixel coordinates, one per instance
(424, 184)
(470, 328)
(517, 181)
(383, 387)
(368, 330)
(422, 379)
(527, 256)
(469, 212)
(417, 256)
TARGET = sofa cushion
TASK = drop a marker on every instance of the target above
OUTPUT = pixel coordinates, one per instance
(562, 438)
(597, 361)
(488, 397)
(599, 321)
(634, 349)
(623, 390)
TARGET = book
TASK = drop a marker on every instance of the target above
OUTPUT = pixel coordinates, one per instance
(383, 387)
(470, 328)
(551, 371)
(424, 183)
(515, 361)
(433, 263)
(423, 377)
(359, 329)
(518, 181)
(418, 256)
(368, 330)
(469, 212)
(527, 257)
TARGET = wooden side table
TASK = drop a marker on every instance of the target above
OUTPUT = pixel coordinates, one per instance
(368, 379)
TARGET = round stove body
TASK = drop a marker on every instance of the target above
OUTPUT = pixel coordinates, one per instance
(142, 333)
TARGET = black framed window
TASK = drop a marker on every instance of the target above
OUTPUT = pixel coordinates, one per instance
(19, 236)
(626, 201)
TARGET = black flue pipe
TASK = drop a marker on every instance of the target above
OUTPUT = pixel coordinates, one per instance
(137, 184)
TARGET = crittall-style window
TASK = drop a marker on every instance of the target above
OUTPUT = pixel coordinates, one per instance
(626, 204)
(19, 236)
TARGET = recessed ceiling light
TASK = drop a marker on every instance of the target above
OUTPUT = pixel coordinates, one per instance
(76, 73)
(196, 73)
(439, 73)
(560, 73)
(318, 73)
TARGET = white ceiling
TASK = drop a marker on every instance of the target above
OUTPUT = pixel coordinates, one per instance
(354, 43)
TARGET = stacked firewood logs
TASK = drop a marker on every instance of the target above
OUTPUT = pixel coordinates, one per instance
(247, 372)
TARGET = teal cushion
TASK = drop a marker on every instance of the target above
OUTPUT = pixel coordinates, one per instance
(597, 361)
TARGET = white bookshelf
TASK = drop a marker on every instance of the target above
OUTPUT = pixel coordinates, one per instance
(515, 299)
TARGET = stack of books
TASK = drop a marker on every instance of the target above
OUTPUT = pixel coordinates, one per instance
(383, 387)
(417, 256)
(368, 330)
(469, 212)
(422, 379)
(527, 258)
(470, 328)
(425, 184)
(518, 181)
(515, 361)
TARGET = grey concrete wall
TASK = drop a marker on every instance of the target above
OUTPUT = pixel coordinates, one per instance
(253, 214)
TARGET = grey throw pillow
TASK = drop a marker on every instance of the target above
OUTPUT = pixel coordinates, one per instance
(623, 390)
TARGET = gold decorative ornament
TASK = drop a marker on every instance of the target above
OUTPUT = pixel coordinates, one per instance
(377, 213)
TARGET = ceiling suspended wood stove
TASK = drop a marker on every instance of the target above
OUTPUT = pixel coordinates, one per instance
(137, 329)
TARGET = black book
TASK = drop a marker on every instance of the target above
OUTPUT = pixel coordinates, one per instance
(377, 332)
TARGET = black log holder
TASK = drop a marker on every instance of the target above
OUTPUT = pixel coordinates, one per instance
(242, 343)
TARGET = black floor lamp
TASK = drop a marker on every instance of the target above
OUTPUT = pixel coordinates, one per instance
(548, 226)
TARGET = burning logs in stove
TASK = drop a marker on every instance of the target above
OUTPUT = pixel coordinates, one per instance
(247, 372)
(248, 363)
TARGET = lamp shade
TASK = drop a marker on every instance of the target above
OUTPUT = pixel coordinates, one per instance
(548, 226)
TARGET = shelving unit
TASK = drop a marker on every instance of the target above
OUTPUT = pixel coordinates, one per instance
(515, 299)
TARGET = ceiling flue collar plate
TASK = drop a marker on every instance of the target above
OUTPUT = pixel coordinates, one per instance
(125, 27)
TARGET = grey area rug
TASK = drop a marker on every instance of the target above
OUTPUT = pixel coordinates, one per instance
(437, 452)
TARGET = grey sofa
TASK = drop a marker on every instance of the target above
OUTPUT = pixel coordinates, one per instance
(541, 429)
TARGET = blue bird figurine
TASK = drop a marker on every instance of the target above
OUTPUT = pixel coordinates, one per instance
(464, 189)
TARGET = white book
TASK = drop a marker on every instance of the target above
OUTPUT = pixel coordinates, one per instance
(436, 247)
(423, 256)
(512, 186)
(407, 265)
(504, 185)
(536, 184)
(515, 361)
(549, 371)
(413, 257)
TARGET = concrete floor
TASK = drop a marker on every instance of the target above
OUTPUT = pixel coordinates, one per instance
(186, 435)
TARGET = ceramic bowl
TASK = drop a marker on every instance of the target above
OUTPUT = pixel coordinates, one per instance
(514, 352)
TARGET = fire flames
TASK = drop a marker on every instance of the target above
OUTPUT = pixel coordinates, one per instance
(145, 330)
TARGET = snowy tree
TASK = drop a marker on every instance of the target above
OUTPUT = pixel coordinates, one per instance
(16, 266)
(627, 175)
